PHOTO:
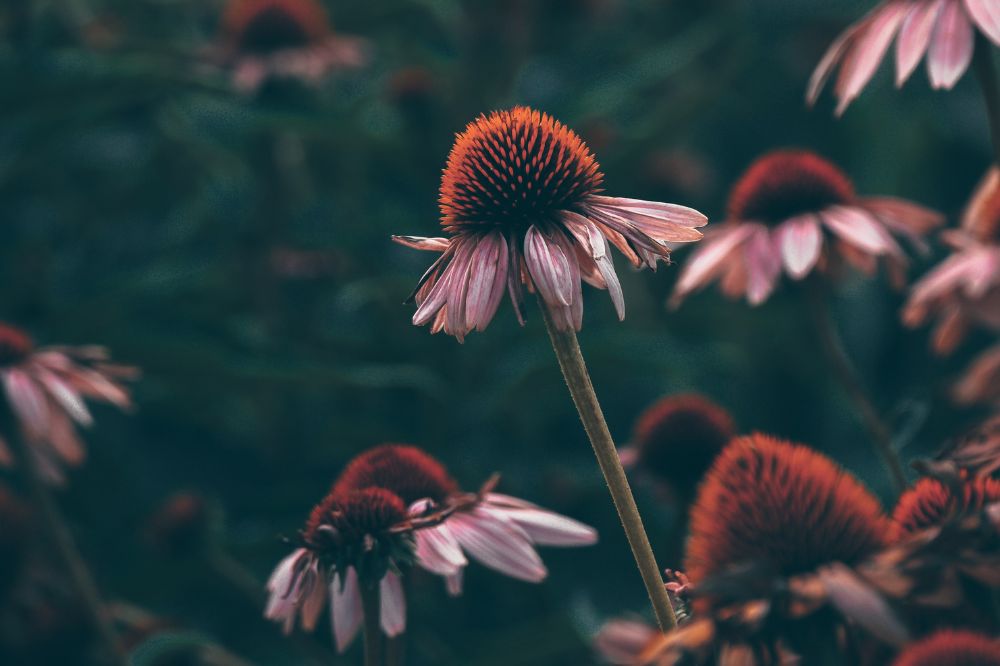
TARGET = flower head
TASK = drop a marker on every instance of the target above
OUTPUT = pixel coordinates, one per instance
(782, 505)
(941, 29)
(793, 211)
(46, 390)
(520, 199)
(284, 38)
(952, 647)
(406, 470)
(931, 503)
(676, 439)
(964, 289)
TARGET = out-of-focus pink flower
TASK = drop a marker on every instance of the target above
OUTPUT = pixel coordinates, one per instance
(497, 530)
(980, 385)
(46, 389)
(794, 212)
(284, 38)
(964, 289)
(622, 642)
(520, 200)
(941, 29)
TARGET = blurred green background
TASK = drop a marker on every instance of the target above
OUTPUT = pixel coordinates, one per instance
(236, 247)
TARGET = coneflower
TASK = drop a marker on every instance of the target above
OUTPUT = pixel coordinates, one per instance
(785, 506)
(284, 38)
(931, 503)
(952, 647)
(522, 206)
(676, 439)
(794, 212)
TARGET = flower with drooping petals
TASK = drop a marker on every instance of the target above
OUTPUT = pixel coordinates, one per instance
(980, 384)
(676, 439)
(782, 505)
(520, 200)
(795, 212)
(964, 289)
(284, 38)
(944, 30)
(497, 530)
(931, 503)
(952, 647)
(46, 390)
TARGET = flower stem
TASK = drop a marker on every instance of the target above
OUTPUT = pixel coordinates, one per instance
(850, 380)
(62, 539)
(574, 371)
(372, 631)
(982, 65)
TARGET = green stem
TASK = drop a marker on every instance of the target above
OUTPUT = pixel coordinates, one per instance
(372, 630)
(985, 70)
(574, 370)
(850, 379)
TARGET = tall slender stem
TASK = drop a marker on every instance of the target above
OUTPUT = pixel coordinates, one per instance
(574, 370)
(372, 630)
(982, 65)
(62, 540)
(850, 380)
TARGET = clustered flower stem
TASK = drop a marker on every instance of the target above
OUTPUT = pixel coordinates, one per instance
(372, 629)
(850, 379)
(574, 370)
(61, 539)
(986, 74)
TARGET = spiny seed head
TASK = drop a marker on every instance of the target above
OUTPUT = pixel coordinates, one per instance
(266, 26)
(405, 470)
(781, 504)
(951, 647)
(786, 183)
(346, 518)
(15, 345)
(678, 436)
(931, 503)
(515, 168)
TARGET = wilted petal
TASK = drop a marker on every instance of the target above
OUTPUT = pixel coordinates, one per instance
(914, 37)
(547, 528)
(549, 268)
(422, 243)
(496, 541)
(315, 595)
(393, 605)
(346, 612)
(282, 586)
(801, 241)
(438, 551)
(986, 14)
(487, 281)
(863, 605)
(675, 213)
(951, 46)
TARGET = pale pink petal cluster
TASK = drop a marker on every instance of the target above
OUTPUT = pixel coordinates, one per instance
(943, 30)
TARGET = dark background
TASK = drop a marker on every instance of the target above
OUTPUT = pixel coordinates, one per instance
(237, 249)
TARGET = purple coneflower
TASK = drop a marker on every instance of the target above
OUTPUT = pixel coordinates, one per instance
(944, 30)
(520, 200)
(794, 212)
(46, 389)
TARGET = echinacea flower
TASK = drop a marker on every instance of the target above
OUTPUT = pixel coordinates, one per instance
(782, 505)
(520, 200)
(980, 384)
(46, 389)
(952, 647)
(676, 439)
(284, 38)
(964, 289)
(497, 530)
(944, 30)
(794, 212)
(931, 503)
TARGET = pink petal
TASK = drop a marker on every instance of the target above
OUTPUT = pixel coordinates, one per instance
(453, 583)
(346, 613)
(315, 590)
(857, 227)
(801, 241)
(438, 550)
(673, 213)
(709, 258)
(596, 244)
(763, 263)
(659, 229)
(828, 63)
(28, 401)
(867, 52)
(547, 528)
(66, 397)
(488, 278)
(549, 268)
(622, 642)
(951, 46)
(64, 439)
(914, 37)
(282, 587)
(496, 541)
(392, 605)
(986, 14)
(422, 243)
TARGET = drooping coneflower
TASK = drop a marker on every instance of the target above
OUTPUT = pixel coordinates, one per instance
(520, 199)
(781, 505)
(353, 542)
(284, 38)
(952, 647)
(944, 30)
(497, 530)
(964, 289)
(46, 389)
(931, 503)
(794, 212)
(980, 384)
(677, 438)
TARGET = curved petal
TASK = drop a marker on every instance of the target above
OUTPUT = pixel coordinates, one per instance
(801, 240)
(951, 46)
(986, 14)
(488, 279)
(392, 607)
(763, 266)
(914, 37)
(549, 268)
(857, 227)
(438, 551)
(547, 528)
(423, 243)
(346, 613)
(709, 257)
(497, 542)
(866, 54)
